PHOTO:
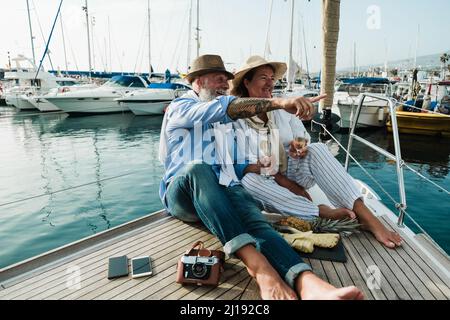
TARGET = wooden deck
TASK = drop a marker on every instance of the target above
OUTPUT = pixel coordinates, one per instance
(406, 273)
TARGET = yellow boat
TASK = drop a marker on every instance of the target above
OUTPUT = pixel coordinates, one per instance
(429, 124)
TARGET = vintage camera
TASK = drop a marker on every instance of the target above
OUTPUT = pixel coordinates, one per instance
(200, 266)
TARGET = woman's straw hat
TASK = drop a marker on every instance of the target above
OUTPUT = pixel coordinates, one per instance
(253, 62)
(206, 64)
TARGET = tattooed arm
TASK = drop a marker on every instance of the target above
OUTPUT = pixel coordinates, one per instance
(241, 108)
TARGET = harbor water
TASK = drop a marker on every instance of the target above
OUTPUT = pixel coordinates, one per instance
(65, 178)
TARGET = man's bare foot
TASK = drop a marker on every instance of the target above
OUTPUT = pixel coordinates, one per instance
(335, 214)
(270, 284)
(311, 287)
(272, 287)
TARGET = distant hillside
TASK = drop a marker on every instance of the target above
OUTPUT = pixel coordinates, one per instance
(431, 61)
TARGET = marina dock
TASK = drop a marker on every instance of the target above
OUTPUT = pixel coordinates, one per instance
(79, 270)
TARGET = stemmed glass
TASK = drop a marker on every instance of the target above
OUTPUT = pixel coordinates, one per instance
(300, 141)
(266, 158)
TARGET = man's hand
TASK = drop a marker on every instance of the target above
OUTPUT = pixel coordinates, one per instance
(302, 107)
(318, 98)
(242, 108)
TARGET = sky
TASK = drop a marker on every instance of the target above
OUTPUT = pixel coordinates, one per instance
(380, 29)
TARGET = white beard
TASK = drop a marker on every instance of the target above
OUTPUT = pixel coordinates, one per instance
(206, 95)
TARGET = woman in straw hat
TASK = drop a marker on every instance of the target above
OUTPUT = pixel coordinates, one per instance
(299, 168)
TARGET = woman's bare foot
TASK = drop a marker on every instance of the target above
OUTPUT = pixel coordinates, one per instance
(388, 238)
(335, 214)
(311, 287)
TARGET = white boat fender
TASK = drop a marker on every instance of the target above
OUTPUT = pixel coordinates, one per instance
(380, 114)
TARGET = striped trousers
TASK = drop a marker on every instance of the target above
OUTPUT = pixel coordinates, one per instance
(318, 167)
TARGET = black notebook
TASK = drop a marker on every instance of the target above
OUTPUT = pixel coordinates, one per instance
(118, 267)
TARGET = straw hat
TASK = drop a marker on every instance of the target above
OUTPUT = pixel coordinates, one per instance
(206, 64)
(253, 62)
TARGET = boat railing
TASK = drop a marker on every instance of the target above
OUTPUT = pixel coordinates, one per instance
(397, 157)
(400, 204)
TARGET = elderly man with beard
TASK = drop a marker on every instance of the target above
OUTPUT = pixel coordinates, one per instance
(196, 187)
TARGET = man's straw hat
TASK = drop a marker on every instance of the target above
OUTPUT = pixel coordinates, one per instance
(206, 64)
(255, 62)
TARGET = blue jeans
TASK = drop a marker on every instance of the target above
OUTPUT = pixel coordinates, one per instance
(232, 215)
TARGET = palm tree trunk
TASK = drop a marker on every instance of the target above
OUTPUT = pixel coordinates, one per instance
(330, 31)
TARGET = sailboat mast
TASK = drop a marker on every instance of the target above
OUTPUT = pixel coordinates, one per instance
(64, 42)
(85, 8)
(267, 47)
(149, 45)
(417, 46)
(198, 28)
(291, 74)
(109, 39)
(306, 52)
(31, 33)
(93, 42)
(386, 57)
(189, 44)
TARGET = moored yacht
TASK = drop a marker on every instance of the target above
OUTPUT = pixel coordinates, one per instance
(41, 102)
(348, 93)
(154, 100)
(24, 82)
(99, 100)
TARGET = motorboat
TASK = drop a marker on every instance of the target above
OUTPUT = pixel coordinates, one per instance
(41, 102)
(430, 124)
(154, 99)
(99, 100)
(24, 82)
(428, 114)
(347, 95)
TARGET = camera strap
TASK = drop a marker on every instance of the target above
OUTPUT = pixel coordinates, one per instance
(200, 252)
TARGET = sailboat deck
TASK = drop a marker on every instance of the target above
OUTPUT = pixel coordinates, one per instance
(405, 272)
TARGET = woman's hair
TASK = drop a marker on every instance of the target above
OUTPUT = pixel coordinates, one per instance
(241, 90)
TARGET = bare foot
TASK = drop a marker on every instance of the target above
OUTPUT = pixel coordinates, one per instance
(335, 214)
(272, 287)
(389, 238)
(270, 284)
(371, 223)
(312, 287)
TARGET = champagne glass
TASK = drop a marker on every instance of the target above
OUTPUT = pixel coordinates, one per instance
(300, 141)
(265, 158)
